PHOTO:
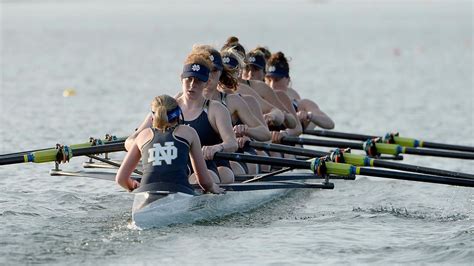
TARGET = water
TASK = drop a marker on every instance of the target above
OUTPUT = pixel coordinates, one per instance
(373, 66)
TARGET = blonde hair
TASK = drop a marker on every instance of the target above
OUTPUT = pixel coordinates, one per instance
(231, 51)
(160, 106)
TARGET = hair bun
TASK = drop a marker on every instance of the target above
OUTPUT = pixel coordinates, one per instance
(232, 39)
(280, 55)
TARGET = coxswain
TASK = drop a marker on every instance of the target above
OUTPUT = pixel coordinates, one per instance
(165, 149)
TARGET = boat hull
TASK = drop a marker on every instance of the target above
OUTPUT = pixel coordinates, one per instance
(180, 208)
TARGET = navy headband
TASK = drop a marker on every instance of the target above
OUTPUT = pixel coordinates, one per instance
(174, 113)
(216, 60)
(196, 70)
(256, 60)
(230, 61)
(278, 71)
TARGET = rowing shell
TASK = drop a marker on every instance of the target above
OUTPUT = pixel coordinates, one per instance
(159, 209)
(154, 209)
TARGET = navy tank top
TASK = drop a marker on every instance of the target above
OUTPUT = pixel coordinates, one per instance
(165, 158)
(207, 136)
(201, 124)
(294, 102)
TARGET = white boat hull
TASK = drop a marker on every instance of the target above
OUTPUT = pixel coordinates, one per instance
(179, 208)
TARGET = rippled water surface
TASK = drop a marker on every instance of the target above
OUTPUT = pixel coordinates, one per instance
(373, 66)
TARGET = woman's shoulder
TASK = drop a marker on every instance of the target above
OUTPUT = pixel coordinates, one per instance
(216, 105)
(185, 131)
(293, 93)
(144, 136)
(260, 83)
(235, 99)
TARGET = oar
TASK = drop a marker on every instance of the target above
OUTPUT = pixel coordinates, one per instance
(357, 160)
(342, 169)
(92, 142)
(383, 148)
(111, 176)
(286, 177)
(64, 153)
(407, 142)
(111, 163)
(273, 185)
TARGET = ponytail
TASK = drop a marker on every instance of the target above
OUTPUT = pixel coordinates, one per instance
(160, 107)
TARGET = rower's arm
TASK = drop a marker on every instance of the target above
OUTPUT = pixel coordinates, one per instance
(221, 120)
(293, 94)
(256, 109)
(315, 115)
(129, 164)
(130, 141)
(298, 129)
(267, 108)
(197, 161)
(254, 128)
(269, 95)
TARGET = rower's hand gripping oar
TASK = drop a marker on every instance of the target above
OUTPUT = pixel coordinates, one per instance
(391, 138)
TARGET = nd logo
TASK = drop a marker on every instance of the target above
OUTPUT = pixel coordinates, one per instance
(167, 153)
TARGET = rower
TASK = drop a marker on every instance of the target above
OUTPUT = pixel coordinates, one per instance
(308, 112)
(209, 118)
(221, 87)
(279, 99)
(165, 149)
(255, 67)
